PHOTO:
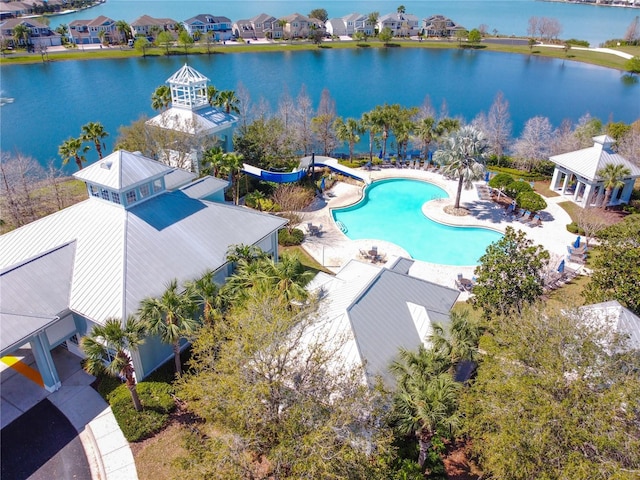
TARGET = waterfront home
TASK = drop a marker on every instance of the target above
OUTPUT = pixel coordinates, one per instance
(39, 33)
(14, 9)
(196, 124)
(99, 30)
(375, 310)
(300, 26)
(576, 174)
(350, 24)
(143, 225)
(440, 26)
(401, 24)
(259, 27)
(149, 27)
(204, 23)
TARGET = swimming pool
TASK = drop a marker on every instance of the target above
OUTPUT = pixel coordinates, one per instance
(391, 210)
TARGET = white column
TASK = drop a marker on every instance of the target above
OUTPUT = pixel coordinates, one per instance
(554, 179)
(586, 198)
(565, 182)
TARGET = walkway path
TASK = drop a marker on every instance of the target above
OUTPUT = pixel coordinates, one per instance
(610, 51)
(333, 249)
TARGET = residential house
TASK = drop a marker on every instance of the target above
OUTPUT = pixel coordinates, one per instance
(350, 24)
(143, 225)
(300, 26)
(576, 174)
(440, 26)
(258, 27)
(39, 33)
(149, 27)
(15, 9)
(373, 311)
(401, 24)
(200, 25)
(99, 30)
(197, 122)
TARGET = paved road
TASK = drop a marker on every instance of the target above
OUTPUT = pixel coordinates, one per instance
(42, 445)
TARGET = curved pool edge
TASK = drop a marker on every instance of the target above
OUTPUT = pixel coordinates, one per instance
(432, 209)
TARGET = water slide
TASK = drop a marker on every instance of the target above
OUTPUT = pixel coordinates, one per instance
(301, 171)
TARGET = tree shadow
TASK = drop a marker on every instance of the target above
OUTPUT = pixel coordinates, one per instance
(363, 45)
(629, 79)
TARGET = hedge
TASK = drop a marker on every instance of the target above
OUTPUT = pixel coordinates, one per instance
(529, 176)
(157, 404)
(288, 239)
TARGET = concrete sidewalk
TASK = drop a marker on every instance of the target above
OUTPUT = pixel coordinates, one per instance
(106, 449)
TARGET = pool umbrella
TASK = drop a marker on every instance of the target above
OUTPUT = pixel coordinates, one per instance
(486, 176)
(322, 184)
(576, 244)
(561, 267)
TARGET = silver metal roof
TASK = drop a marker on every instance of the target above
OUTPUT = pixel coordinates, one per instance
(123, 256)
(33, 293)
(205, 120)
(204, 187)
(588, 161)
(122, 170)
(623, 320)
(383, 311)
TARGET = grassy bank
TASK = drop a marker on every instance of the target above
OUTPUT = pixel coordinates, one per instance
(595, 58)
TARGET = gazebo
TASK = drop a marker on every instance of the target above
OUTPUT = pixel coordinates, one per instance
(194, 123)
(576, 174)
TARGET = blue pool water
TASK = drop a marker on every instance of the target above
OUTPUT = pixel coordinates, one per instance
(391, 210)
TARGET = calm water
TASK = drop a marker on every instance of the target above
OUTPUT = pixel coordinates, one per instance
(53, 101)
(392, 211)
(509, 17)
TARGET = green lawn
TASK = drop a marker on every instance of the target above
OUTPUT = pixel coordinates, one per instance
(596, 58)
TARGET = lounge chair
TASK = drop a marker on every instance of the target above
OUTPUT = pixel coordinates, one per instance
(535, 221)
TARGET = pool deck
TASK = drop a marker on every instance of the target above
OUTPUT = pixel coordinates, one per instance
(333, 249)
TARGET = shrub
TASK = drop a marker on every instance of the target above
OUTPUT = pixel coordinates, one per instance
(288, 238)
(531, 201)
(574, 228)
(544, 168)
(578, 43)
(517, 187)
(157, 404)
(501, 180)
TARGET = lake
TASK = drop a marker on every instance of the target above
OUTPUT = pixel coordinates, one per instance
(52, 101)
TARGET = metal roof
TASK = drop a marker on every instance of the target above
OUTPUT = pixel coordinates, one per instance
(206, 120)
(588, 161)
(204, 187)
(123, 256)
(122, 170)
(623, 320)
(379, 311)
(33, 293)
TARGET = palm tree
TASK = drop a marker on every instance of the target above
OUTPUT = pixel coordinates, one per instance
(463, 156)
(212, 95)
(426, 397)
(369, 124)
(425, 131)
(248, 253)
(212, 161)
(232, 165)
(205, 293)
(115, 342)
(124, 29)
(612, 176)
(73, 148)
(21, 35)
(161, 98)
(171, 317)
(227, 99)
(288, 276)
(372, 19)
(348, 131)
(460, 342)
(94, 132)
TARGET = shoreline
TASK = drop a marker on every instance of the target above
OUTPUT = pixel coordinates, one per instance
(593, 4)
(608, 58)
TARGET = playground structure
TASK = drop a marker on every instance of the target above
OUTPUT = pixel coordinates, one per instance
(306, 164)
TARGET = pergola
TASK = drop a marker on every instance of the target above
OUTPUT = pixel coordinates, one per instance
(576, 174)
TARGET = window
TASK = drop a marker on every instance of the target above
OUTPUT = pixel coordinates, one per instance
(104, 193)
(115, 197)
(145, 191)
(131, 197)
(94, 191)
(157, 185)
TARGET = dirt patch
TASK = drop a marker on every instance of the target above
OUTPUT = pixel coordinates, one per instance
(457, 463)
(458, 212)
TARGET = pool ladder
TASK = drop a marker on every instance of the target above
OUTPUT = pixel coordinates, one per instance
(341, 226)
